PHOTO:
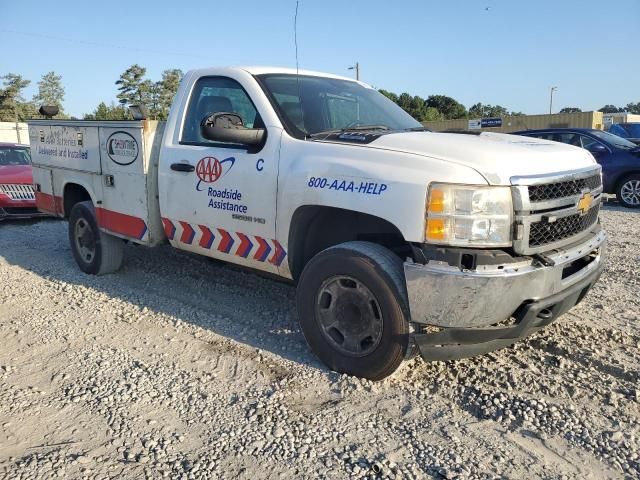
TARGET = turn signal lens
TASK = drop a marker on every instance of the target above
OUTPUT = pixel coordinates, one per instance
(436, 201)
(436, 229)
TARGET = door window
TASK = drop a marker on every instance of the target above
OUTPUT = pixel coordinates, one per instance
(588, 142)
(569, 138)
(213, 95)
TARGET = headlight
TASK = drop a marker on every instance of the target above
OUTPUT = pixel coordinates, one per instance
(469, 215)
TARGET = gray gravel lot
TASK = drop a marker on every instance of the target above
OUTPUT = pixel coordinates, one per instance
(182, 367)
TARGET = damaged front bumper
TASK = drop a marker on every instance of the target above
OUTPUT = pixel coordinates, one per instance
(470, 312)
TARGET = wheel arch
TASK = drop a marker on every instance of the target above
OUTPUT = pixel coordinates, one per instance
(314, 228)
(623, 176)
(74, 192)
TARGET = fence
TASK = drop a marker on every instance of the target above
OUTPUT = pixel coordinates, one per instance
(521, 122)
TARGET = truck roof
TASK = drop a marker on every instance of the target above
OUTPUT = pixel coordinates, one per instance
(16, 145)
(262, 70)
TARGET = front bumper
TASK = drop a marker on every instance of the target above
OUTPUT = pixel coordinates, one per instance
(465, 306)
(20, 213)
(18, 208)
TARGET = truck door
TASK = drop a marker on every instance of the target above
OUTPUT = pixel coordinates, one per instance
(219, 199)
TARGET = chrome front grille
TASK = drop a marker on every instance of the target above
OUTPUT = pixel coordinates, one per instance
(17, 191)
(552, 191)
(543, 233)
(556, 210)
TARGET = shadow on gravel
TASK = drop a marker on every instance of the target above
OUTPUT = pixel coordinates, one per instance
(228, 300)
(611, 204)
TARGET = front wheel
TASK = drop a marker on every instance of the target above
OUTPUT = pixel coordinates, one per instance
(352, 307)
(95, 252)
(629, 191)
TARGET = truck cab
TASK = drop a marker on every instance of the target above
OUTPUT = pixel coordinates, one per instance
(398, 239)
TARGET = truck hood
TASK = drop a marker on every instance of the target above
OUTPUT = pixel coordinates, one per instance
(16, 174)
(496, 156)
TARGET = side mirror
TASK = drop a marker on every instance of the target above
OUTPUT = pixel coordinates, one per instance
(229, 128)
(597, 148)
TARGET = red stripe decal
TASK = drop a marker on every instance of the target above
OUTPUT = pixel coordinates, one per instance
(169, 228)
(187, 233)
(263, 251)
(226, 243)
(245, 245)
(278, 255)
(121, 223)
(49, 203)
(207, 237)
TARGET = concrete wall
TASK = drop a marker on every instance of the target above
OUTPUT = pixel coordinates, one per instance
(527, 122)
(9, 133)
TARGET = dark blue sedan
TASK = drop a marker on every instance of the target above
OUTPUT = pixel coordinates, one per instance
(620, 158)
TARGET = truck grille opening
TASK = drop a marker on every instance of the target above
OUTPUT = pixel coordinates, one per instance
(17, 191)
(543, 233)
(553, 191)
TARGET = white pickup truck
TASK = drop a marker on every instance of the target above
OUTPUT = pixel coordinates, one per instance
(399, 239)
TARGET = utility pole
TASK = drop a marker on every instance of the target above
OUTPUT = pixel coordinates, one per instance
(356, 67)
(553, 89)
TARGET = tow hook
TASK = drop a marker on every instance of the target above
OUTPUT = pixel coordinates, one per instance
(544, 260)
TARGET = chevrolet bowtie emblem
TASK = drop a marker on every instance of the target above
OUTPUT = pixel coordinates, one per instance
(584, 203)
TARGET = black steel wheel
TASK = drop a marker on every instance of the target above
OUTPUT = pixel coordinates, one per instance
(95, 252)
(353, 309)
(349, 316)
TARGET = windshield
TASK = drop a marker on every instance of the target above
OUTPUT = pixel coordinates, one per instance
(332, 104)
(614, 140)
(14, 156)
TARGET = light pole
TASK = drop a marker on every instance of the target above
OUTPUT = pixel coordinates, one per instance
(553, 89)
(356, 67)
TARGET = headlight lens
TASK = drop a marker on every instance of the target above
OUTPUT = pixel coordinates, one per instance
(469, 215)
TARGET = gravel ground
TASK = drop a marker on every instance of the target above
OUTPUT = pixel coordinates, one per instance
(182, 367)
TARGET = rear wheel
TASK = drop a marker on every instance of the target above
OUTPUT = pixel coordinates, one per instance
(352, 307)
(629, 191)
(95, 252)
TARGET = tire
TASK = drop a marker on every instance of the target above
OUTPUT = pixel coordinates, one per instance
(628, 192)
(94, 251)
(354, 330)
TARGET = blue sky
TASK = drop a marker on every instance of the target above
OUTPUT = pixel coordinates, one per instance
(509, 54)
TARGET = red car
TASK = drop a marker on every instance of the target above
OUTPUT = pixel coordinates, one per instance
(17, 199)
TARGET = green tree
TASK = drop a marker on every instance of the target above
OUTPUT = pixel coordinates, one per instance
(633, 108)
(414, 106)
(610, 109)
(390, 95)
(485, 111)
(12, 103)
(132, 86)
(50, 91)
(166, 90)
(447, 106)
(105, 112)
(431, 115)
(570, 110)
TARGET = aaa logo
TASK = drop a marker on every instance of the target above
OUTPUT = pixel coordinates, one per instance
(210, 169)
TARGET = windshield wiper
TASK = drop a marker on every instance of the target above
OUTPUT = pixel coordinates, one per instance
(417, 129)
(355, 128)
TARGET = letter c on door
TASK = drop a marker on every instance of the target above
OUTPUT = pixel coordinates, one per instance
(259, 165)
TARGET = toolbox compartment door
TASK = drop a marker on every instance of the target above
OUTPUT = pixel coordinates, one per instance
(46, 199)
(72, 147)
(124, 210)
